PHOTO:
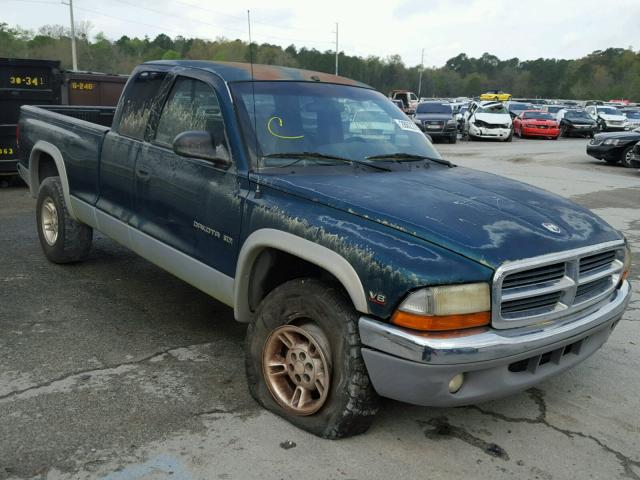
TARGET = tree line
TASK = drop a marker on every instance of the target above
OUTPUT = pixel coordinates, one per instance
(603, 74)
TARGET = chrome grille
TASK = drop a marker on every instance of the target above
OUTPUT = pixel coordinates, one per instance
(552, 286)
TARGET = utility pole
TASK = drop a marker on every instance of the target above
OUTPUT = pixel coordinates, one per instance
(420, 77)
(74, 57)
(336, 48)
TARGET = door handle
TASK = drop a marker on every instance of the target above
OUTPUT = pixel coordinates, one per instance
(143, 174)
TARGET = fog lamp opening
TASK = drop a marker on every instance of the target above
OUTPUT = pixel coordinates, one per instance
(455, 384)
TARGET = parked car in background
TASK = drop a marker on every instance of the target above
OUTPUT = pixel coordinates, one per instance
(372, 124)
(460, 117)
(608, 118)
(553, 109)
(437, 119)
(408, 99)
(576, 122)
(399, 104)
(495, 95)
(633, 118)
(515, 108)
(488, 120)
(635, 156)
(614, 147)
(536, 123)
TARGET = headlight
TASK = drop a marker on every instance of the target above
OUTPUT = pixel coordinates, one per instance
(450, 307)
(480, 123)
(452, 121)
(612, 141)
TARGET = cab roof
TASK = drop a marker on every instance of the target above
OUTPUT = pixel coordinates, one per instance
(241, 72)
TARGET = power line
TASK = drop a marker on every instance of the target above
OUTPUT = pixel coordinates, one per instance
(155, 27)
(161, 12)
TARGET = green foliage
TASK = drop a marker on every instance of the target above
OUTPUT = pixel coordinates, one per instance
(603, 74)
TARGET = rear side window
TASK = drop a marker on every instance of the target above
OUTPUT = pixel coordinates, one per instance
(138, 101)
(192, 105)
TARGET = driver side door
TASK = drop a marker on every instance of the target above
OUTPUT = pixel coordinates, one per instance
(191, 204)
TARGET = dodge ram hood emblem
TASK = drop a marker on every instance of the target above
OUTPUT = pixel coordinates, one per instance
(552, 227)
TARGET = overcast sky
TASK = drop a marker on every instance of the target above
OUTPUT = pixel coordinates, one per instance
(444, 28)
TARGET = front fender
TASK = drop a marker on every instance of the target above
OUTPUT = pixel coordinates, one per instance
(387, 261)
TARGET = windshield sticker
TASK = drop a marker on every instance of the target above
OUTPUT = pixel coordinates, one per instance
(407, 125)
(286, 137)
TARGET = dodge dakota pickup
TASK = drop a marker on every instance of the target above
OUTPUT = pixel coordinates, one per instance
(364, 263)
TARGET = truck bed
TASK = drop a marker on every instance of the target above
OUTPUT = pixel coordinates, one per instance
(78, 133)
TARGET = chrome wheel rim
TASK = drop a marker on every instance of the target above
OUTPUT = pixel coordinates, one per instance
(295, 368)
(627, 158)
(49, 220)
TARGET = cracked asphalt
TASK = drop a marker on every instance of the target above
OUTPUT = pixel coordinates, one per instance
(115, 369)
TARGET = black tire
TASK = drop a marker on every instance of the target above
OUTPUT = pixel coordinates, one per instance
(453, 138)
(625, 158)
(510, 137)
(563, 131)
(351, 403)
(73, 240)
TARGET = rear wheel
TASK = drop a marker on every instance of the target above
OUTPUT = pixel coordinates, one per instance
(304, 363)
(62, 238)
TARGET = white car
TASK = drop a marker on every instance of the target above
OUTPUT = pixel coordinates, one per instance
(633, 117)
(373, 124)
(488, 120)
(608, 118)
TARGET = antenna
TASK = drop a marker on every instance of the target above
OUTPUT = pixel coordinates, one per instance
(255, 120)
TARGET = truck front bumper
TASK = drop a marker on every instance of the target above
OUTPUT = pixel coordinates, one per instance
(417, 368)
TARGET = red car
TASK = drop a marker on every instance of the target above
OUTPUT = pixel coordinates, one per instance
(535, 123)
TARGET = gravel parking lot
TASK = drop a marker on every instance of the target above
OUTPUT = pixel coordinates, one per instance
(114, 369)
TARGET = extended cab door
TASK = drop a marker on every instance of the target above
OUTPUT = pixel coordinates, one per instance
(191, 204)
(123, 143)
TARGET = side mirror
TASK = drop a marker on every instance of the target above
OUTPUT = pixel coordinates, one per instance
(198, 144)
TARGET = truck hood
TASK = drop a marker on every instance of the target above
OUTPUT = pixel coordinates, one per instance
(484, 217)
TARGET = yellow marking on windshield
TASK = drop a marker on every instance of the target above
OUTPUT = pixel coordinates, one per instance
(278, 135)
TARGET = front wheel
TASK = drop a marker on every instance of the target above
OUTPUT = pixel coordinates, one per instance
(62, 238)
(625, 158)
(304, 363)
(453, 138)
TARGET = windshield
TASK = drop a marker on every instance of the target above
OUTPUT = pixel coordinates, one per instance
(432, 107)
(537, 116)
(517, 107)
(608, 110)
(634, 115)
(492, 108)
(555, 108)
(572, 114)
(333, 120)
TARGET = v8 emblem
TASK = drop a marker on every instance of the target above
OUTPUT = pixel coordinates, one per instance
(377, 297)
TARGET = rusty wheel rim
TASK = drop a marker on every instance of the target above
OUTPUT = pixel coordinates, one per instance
(295, 368)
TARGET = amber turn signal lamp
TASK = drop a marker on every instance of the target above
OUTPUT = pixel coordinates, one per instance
(440, 322)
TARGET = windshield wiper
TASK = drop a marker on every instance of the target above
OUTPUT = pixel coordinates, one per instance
(410, 156)
(316, 155)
